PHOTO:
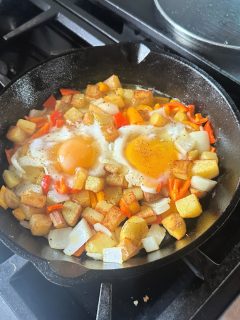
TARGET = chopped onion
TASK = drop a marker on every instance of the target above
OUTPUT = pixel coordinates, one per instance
(150, 244)
(202, 184)
(109, 108)
(27, 187)
(201, 140)
(58, 238)
(99, 227)
(16, 165)
(56, 197)
(113, 255)
(160, 206)
(157, 232)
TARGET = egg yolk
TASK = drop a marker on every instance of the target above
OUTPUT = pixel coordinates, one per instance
(77, 152)
(150, 157)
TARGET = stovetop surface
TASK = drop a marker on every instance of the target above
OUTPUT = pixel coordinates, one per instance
(174, 291)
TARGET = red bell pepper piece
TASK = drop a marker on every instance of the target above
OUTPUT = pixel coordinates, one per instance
(57, 206)
(178, 188)
(61, 186)
(42, 131)
(56, 115)
(45, 184)
(67, 92)
(59, 123)
(124, 208)
(195, 118)
(79, 251)
(50, 102)
(176, 106)
(208, 127)
(120, 120)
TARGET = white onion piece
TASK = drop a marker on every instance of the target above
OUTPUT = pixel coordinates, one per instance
(56, 197)
(150, 244)
(148, 189)
(100, 227)
(16, 165)
(201, 140)
(36, 113)
(26, 187)
(157, 232)
(160, 206)
(113, 255)
(202, 184)
(58, 238)
(184, 144)
(109, 108)
(95, 256)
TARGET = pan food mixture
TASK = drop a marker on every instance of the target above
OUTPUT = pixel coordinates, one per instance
(109, 170)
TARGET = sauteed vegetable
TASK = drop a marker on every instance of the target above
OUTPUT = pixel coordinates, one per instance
(108, 170)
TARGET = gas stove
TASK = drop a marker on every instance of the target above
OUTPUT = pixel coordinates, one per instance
(202, 285)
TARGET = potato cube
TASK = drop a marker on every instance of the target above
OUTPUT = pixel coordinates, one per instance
(198, 193)
(19, 214)
(115, 99)
(83, 198)
(131, 202)
(98, 242)
(79, 178)
(193, 154)
(92, 91)
(88, 118)
(16, 135)
(3, 203)
(103, 207)
(100, 196)
(57, 219)
(73, 115)
(181, 169)
(205, 168)
(92, 216)
(175, 225)
(10, 179)
(93, 199)
(62, 106)
(71, 212)
(33, 199)
(78, 100)
(116, 180)
(158, 120)
(129, 248)
(113, 194)
(30, 211)
(180, 116)
(137, 191)
(151, 197)
(110, 132)
(146, 212)
(142, 97)
(40, 224)
(134, 229)
(113, 218)
(33, 174)
(94, 184)
(27, 126)
(207, 155)
(189, 207)
(67, 98)
(113, 82)
(113, 167)
(11, 199)
(99, 114)
(126, 94)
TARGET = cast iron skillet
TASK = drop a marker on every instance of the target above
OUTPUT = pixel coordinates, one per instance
(134, 64)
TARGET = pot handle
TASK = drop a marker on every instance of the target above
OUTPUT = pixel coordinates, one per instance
(104, 309)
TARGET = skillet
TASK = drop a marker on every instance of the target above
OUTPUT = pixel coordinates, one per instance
(134, 63)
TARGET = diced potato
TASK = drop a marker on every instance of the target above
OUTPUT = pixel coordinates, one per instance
(71, 212)
(117, 233)
(40, 224)
(201, 140)
(175, 225)
(146, 212)
(2, 198)
(29, 211)
(16, 135)
(11, 179)
(180, 116)
(207, 155)
(157, 232)
(92, 216)
(202, 184)
(33, 199)
(19, 214)
(129, 248)
(181, 169)
(198, 193)
(135, 229)
(110, 132)
(150, 244)
(113, 82)
(116, 180)
(83, 198)
(142, 97)
(98, 242)
(131, 202)
(11, 199)
(73, 115)
(137, 191)
(126, 94)
(134, 116)
(189, 207)
(193, 154)
(115, 99)
(113, 167)
(88, 118)
(94, 184)
(99, 114)
(27, 126)
(78, 100)
(79, 178)
(100, 196)
(57, 219)
(113, 218)
(205, 168)
(92, 91)
(67, 98)
(113, 194)
(161, 100)
(93, 199)
(33, 174)
(103, 207)
(151, 197)
(158, 120)
(62, 106)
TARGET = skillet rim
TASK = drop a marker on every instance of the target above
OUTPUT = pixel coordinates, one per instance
(40, 262)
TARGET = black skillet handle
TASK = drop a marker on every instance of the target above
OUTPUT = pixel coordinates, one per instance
(104, 310)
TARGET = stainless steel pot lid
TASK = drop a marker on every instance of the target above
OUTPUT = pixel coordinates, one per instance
(214, 22)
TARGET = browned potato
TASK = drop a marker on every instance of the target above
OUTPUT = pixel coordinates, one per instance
(2, 198)
(134, 229)
(146, 212)
(129, 248)
(113, 82)
(92, 91)
(98, 242)
(113, 194)
(57, 220)
(34, 174)
(16, 135)
(142, 97)
(103, 207)
(88, 118)
(113, 168)
(29, 211)
(10, 179)
(83, 198)
(11, 199)
(40, 224)
(94, 184)
(92, 216)
(78, 100)
(181, 169)
(62, 106)
(110, 132)
(113, 218)
(67, 98)
(34, 199)
(151, 197)
(116, 180)
(175, 225)
(73, 115)
(19, 214)
(137, 191)
(27, 126)
(115, 99)
(71, 212)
